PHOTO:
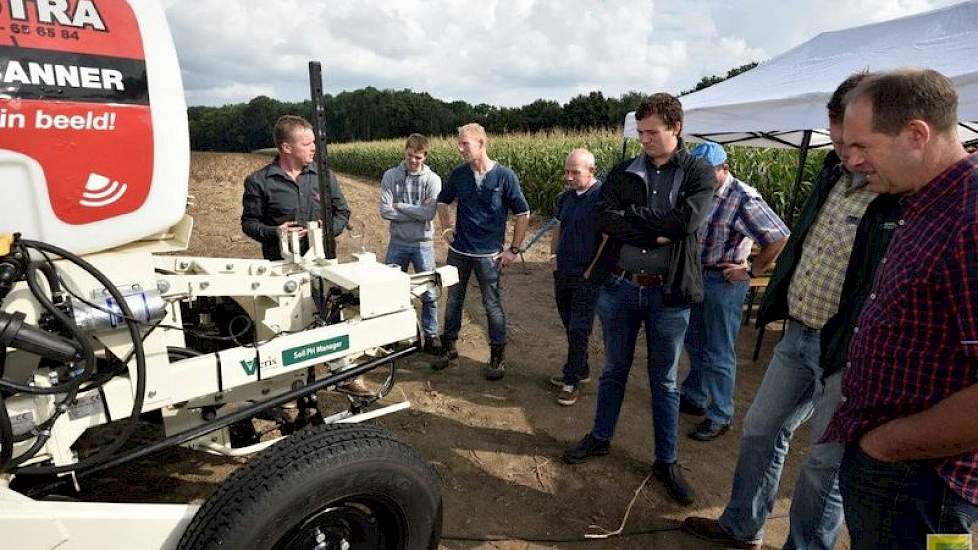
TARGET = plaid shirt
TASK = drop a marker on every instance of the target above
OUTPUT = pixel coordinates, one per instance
(739, 216)
(916, 340)
(816, 287)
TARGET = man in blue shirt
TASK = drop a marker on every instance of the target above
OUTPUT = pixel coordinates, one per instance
(486, 191)
(573, 248)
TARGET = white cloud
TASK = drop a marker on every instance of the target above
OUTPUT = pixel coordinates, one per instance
(503, 52)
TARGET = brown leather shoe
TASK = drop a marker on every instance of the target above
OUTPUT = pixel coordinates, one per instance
(710, 530)
(356, 387)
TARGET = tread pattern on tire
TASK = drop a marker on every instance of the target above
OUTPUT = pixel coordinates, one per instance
(316, 447)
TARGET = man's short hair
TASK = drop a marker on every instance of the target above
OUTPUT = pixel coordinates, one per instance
(286, 126)
(837, 104)
(903, 95)
(667, 107)
(417, 143)
(585, 155)
(473, 129)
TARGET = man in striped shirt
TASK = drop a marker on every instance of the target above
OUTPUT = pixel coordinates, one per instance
(739, 218)
(909, 398)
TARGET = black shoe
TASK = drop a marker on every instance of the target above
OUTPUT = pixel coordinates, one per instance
(671, 476)
(496, 368)
(711, 530)
(432, 345)
(708, 430)
(447, 355)
(687, 407)
(585, 449)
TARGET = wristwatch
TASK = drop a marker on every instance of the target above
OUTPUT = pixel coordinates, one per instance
(515, 250)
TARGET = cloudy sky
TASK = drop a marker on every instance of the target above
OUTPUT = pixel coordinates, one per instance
(502, 52)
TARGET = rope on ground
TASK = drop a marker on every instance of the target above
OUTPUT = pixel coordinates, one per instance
(604, 533)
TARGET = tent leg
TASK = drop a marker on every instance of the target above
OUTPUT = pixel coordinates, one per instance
(806, 140)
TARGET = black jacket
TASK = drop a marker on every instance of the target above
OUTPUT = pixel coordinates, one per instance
(774, 302)
(624, 215)
(872, 239)
(272, 198)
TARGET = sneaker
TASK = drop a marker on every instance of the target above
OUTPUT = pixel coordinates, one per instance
(558, 381)
(687, 407)
(671, 476)
(568, 395)
(710, 530)
(708, 430)
(585, 449)
(356, 387)
(446, 356)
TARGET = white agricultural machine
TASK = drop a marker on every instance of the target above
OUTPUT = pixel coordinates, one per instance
(103, 328)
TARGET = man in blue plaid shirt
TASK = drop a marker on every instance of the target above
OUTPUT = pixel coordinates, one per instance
(739, 218)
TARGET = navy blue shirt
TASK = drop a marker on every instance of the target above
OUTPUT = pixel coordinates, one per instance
(578, 230)
(480, 223)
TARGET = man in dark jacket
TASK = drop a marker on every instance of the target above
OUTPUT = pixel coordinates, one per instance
(284, 195)
(806, 289)
(651, 209)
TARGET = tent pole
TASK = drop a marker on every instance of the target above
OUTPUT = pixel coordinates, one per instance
(806, 140)
(624, 148)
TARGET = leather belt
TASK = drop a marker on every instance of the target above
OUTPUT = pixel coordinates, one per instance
(640, 279)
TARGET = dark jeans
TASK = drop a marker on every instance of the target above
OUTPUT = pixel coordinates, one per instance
(576, 299)
(487, 272)
(896, 505)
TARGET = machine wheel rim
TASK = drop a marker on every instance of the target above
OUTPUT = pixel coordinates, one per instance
(350, 524)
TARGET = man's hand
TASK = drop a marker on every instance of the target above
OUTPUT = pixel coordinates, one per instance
(734, 273)
(506, 258)
(553, 261)
(292, 227)
(662, 241)
(448, 235)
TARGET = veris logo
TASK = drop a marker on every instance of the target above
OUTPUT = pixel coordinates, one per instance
(80, 14)
(101, 191)
(250, 365)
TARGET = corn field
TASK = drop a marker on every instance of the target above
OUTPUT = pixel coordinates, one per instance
(538, 160)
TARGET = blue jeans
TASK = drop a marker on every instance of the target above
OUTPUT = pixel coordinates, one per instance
(623, 307)
(423, 258)
(791, 392)
(711, 343)
(576, 299)
(487, 272)
(896, 505)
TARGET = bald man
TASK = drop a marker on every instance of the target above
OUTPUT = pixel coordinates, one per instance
(572, 249)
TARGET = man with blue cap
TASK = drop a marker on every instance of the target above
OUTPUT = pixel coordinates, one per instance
(739, 218)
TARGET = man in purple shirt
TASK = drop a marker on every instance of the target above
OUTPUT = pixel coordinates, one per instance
(910, 390)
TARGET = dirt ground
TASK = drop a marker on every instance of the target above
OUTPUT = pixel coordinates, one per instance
(496, 445)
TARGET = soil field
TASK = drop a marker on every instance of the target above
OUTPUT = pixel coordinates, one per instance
(496, 445)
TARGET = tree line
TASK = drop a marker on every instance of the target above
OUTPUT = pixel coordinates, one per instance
(371, 114)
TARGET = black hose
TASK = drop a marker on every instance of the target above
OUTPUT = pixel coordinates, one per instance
(130, 424)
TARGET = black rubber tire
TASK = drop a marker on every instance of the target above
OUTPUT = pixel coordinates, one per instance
(315, 473)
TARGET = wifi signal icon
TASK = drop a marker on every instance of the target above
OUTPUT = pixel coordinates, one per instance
(101, 191)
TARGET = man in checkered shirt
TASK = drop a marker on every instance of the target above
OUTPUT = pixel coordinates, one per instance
(909, 405)
(739, 218)
(805, 289)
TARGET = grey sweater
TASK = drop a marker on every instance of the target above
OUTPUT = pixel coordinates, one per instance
(409, 202)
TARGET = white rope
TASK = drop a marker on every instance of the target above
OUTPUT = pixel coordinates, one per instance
(606, 534)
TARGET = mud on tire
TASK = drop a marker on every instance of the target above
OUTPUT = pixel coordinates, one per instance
(334, 486)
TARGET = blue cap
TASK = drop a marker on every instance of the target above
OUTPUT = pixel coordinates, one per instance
(712, 153)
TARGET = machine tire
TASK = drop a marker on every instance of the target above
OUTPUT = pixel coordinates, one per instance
(329, 484)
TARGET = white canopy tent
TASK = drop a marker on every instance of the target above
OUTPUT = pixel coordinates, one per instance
(781, 103)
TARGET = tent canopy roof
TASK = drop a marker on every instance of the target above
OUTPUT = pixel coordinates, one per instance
(774, 103)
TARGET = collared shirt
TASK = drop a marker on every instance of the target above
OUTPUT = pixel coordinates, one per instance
(579, 236)
(739, 216)
(659, 183)
(815, 289)
(480, 223)
(271, 197)
(917, 337)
